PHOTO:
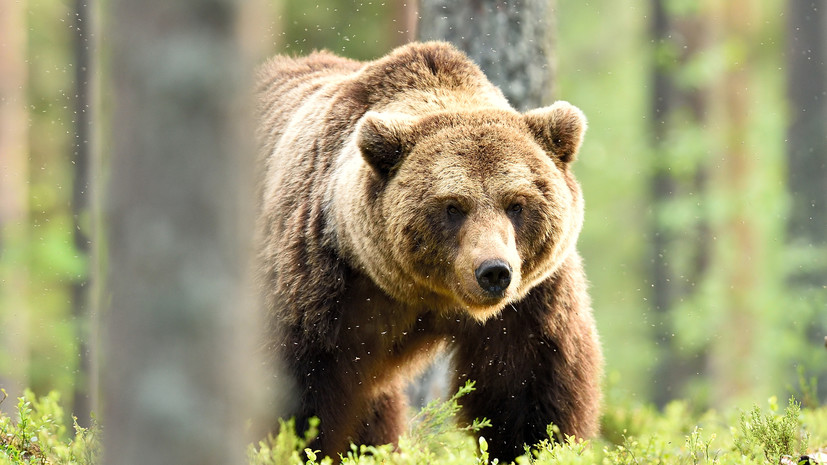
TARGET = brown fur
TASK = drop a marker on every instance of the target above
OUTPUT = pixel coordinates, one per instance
(387, 186)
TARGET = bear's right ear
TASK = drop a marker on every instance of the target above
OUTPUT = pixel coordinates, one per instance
(384, 139)
(559, 128)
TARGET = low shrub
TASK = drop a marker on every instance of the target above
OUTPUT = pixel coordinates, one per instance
(632, 435)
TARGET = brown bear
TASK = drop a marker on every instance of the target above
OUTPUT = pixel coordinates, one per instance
(407, 208)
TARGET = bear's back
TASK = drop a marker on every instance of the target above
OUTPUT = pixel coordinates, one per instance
(417, 78)
(285, 83)
(422, 78)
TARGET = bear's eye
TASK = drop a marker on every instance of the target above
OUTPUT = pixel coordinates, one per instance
(515, 208)
(453, 211)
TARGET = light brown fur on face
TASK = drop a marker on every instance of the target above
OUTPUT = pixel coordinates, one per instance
(405, 207)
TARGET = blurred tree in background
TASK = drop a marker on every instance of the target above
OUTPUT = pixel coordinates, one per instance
(83, 46)
(704, 172)
(678, 38)
(38, 259)
(14, 202)
(179, 339)
(807, 167)
(684, 174)
(512, 42)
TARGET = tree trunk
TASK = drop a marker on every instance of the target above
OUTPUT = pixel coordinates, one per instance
(513, 42)
(730, 363)
(14, 320)
(179, 329)
(807, 153)
(663, 189)
(678, 40)
(81, 309)
(807, 140)
(403, 22)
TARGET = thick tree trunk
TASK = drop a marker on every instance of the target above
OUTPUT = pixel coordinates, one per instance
(179, 331)
(513, 42)
(14, 320)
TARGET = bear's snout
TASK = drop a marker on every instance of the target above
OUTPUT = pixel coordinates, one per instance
(494, 277)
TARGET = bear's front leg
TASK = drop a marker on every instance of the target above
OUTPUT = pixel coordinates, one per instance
(355, 393)
(354, 416)
(383, 420)
(538, 362)
(327, 390)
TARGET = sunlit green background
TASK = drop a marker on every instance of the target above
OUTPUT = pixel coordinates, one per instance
(739, 324)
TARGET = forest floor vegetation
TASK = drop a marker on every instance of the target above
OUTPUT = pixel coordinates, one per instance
(795, 433)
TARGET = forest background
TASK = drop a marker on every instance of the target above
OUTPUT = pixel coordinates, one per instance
(704, 171)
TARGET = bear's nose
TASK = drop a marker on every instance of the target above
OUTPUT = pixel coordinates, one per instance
(494, 276)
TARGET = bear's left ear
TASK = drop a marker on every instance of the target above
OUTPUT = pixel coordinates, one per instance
(384, 139)
(558, 128)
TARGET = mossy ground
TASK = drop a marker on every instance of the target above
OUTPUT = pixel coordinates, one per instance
(631, 435)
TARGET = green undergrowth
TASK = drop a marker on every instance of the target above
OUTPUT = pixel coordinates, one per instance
(631, 435)
(38, 434)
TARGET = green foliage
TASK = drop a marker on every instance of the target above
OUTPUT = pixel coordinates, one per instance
(606, 68)
(807, 389)
(433, 437)
(41, 252)
(358, 29)
(771, 435)
(435, 420)
(639, 435)
(39, 435)
(569, 451)
(286, 447)
(632, 435)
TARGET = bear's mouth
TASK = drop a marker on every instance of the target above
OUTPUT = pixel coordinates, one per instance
(482, 306)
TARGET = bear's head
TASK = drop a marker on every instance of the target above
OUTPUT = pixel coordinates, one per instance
(474, 208)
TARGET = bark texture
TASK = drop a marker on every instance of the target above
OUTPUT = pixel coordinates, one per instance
(513, 42)
(180, 199)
